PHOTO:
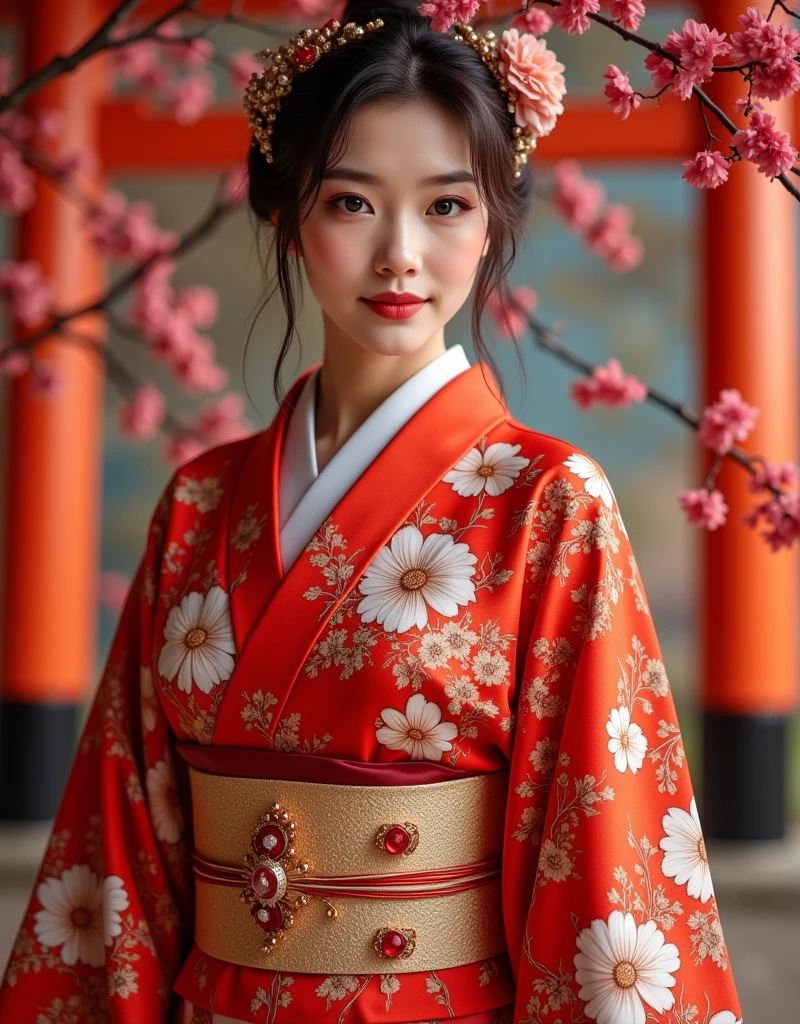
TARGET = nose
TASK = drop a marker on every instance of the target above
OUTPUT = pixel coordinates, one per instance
(399, 253)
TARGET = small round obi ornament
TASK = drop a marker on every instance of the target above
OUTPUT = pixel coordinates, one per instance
(397, 839)
(395, 943)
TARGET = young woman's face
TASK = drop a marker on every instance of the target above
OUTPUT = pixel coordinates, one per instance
(377, 226)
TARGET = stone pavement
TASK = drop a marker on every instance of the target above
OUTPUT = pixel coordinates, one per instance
(757, 887)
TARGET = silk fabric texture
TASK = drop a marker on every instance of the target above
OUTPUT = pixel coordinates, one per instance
(468, 596)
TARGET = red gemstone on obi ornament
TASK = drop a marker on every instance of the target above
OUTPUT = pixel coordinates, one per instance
(396, 840)
(304, 55)
(393, 944)
(268, 918)
(270, 840)
(264, 883)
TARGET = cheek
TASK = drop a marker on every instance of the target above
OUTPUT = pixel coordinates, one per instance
(328, 251)
(456, 255)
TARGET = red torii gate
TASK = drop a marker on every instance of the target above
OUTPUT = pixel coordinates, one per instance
(749, 653)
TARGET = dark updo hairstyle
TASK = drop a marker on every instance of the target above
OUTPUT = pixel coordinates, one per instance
(405, 60)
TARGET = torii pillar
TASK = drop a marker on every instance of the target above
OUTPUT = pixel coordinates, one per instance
(749, 621)
(52, 486)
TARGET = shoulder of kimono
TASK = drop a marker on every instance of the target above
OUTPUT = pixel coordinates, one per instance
(552, 456)
(215, 467)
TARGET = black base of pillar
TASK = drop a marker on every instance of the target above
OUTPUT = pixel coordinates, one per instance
(744, 776)
(37, 745)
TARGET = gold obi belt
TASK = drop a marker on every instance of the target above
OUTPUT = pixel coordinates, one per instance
(385, 876)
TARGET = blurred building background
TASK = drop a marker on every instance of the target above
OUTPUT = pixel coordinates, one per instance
(650, 318)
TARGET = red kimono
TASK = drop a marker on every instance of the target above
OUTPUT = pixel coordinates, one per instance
(472, 601)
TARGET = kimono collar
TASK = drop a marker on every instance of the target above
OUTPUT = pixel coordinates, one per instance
(306, 496)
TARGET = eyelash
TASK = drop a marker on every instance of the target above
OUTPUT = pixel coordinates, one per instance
(465, 206)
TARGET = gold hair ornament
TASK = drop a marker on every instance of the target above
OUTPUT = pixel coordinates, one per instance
(265, 90)
(485, 45)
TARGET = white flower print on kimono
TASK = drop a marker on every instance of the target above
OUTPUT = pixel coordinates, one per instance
(412, 573)
(80, 913)
(162, 797)
(493, 470)
(420, 731)
(199, 643)
(622, 967)
(725, 1017)
(685, 857)
(595, 482)
(628, 743)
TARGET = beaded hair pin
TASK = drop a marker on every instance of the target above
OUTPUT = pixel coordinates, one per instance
(266, 90)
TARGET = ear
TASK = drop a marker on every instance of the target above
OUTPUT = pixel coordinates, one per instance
(292, 247)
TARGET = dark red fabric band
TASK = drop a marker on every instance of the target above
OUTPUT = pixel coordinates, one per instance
(253, 763)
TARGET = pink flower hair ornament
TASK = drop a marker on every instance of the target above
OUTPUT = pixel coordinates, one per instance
(527, 73)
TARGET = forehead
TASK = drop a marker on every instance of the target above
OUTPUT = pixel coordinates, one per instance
(406, 142)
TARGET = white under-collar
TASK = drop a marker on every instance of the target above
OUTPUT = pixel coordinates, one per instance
(308, 496)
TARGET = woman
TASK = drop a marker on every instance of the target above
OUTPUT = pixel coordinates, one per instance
(384, 733)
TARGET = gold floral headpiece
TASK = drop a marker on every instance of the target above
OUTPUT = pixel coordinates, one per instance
(527, 73)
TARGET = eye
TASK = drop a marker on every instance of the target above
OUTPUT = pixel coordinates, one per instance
(462, 204)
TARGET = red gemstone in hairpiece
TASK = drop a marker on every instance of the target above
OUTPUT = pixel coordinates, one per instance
(305, 55)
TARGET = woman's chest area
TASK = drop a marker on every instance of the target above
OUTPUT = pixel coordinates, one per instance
(408, 652)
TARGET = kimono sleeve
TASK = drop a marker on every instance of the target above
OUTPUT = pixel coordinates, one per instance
(103, 934)
(608, 899)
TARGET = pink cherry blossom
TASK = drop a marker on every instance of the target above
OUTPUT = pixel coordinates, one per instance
(773, 48)
(571, 15)
(113, 591)
(17, 188)
(242, 66)
(444, 12)
(628, 13)
(196, 370)
(312, 8)
(728, 420)
(179, 451)
(141, 417)
(127, 233)
(533, 21)
(220, 420)
(173, 338)
(17, 127)
(781, 476)
(136, 61)
(26, 291)
(579, 199)
(510, 324)
(189, 99)
(704, 508)
(533, 71)
(609, 385)
(152, 298)
(662, 70)
(194, 54)
(697, 47)
(77, 164)
(14, 362)
(200, 303)
(765, 144)
(610, 238)
(782, 515)
(706, 170)
(622, 99)
(49, 123)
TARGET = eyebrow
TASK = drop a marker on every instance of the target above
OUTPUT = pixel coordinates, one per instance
(352, 174)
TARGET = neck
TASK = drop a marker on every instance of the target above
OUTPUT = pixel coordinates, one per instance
(354, 381)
